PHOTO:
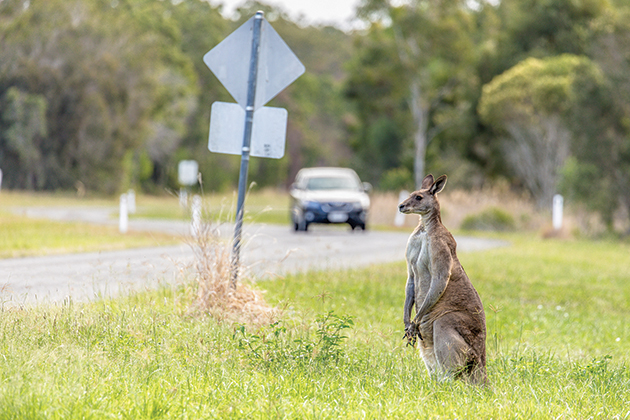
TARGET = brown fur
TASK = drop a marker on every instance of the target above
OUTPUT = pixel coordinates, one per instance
(449, 321)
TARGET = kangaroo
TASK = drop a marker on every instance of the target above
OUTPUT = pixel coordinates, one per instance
(449, 320)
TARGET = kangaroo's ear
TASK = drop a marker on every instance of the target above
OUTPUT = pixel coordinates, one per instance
(427, 182)
(438, 185)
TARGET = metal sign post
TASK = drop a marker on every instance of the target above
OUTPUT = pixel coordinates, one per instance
(272, 66)
(247, 140)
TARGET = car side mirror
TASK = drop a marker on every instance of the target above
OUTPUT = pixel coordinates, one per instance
(367, 187)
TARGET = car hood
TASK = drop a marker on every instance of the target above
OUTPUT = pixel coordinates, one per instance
(340, 196)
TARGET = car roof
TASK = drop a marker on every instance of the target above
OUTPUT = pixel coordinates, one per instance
(326, 172)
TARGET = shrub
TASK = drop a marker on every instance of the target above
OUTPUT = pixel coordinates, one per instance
(490, 219)
(274, 345)
(397, 179)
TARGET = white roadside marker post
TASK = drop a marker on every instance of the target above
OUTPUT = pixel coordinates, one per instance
(131, 201)
(123, 219)
(558, 204)
(195, 223)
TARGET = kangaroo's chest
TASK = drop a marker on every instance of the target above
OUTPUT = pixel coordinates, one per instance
(419, 261)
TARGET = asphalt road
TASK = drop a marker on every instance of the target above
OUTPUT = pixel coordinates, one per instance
(268, 251)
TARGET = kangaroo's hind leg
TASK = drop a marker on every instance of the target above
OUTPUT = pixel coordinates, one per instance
(454, 356)
(426, 348)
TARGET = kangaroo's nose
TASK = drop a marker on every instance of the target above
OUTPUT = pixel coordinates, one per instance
(400, 207)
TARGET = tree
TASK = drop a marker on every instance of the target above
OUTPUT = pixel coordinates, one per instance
(602, 147)
(529, 107)
(111, 83)
(23, 123)
(416, 56)
(511, 31)
(543, 28)
(127, 94)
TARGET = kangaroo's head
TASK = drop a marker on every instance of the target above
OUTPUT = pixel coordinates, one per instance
(424, 201)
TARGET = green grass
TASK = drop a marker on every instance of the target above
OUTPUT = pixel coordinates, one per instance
(266, 206)
(14, 198)
(261, 206)
(21, 236)
(558, 347)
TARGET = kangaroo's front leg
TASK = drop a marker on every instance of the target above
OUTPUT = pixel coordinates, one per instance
(411, 329)
(441, 261)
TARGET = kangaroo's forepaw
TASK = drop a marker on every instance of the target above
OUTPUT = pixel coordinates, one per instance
(412, 333)
(411, 340)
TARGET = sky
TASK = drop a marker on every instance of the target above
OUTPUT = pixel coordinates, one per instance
(338, 12)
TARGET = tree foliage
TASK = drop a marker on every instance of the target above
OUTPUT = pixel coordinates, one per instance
(112, 94)
(126, 94)
(411, 68)
(109, 87)
(530, 107)
(604, 123)
(530, 84)
(24, 121)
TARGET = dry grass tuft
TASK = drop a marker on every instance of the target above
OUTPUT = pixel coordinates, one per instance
(215, 296)
(384, 208)
(458, 204)
(548, 232)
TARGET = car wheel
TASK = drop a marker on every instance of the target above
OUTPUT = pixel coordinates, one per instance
(358, 225)
(301, 226)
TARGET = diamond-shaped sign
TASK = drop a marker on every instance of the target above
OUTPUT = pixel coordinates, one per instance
(278, 66)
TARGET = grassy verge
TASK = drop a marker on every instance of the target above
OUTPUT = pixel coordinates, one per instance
(14, 198)
(21, 236)
(219, 207)
(558, 345)
(264, 206)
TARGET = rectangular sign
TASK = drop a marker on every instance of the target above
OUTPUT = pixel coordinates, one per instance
(227, 128)
(187, 172)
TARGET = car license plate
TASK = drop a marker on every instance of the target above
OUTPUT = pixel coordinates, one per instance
(337, 217)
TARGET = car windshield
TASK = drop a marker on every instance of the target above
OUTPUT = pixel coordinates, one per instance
(331, 183)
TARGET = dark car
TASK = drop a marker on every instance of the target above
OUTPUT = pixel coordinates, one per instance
(329, 195)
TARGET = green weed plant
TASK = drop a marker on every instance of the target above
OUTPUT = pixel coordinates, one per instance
(276, 345)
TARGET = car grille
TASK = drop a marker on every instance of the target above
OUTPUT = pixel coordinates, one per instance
(334, 206)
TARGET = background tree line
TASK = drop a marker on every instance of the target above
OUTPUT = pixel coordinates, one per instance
(113, 94)
(109, 94)
(533, 91)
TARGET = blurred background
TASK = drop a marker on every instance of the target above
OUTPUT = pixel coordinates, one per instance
(516, 100)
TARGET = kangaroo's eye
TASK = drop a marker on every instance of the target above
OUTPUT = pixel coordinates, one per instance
(418, 197)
